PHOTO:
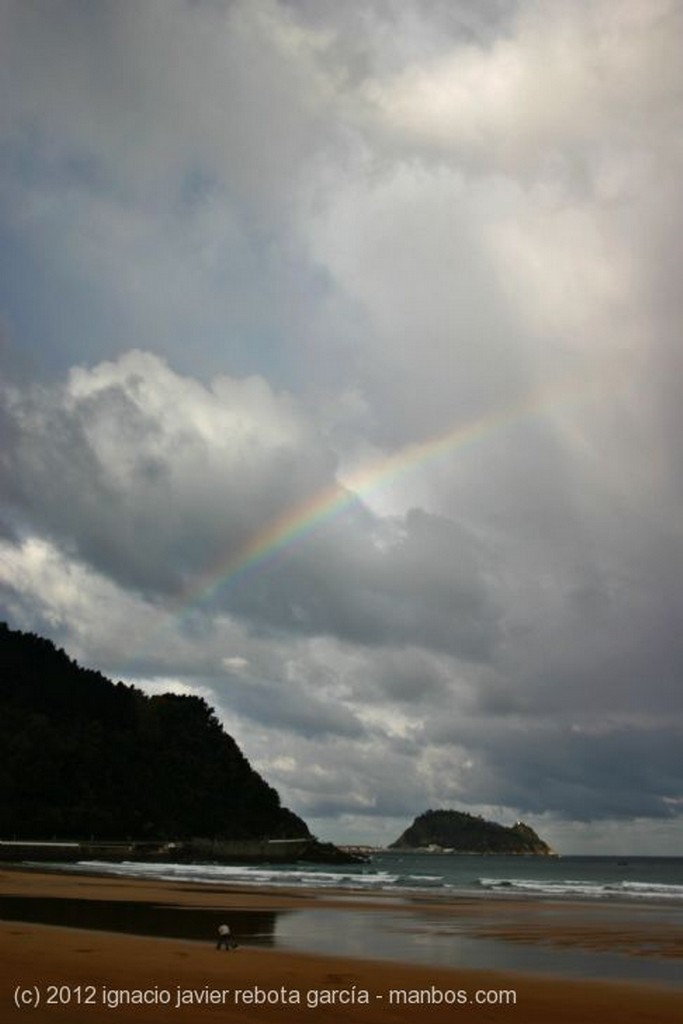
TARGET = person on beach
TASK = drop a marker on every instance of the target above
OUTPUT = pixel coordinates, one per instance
(225, 939)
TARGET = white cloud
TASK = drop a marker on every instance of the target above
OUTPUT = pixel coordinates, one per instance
(563, 75)
(253, 247)
(154, 476)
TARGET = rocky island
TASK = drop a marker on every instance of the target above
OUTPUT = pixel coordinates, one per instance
(448, 831)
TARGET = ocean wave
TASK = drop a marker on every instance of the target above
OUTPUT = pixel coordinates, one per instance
(578, 887)
(420, 881)
(243, 874)
(363, 878)
(402, 876)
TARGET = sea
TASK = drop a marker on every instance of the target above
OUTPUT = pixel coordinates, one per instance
(633, 879)
(645, 893)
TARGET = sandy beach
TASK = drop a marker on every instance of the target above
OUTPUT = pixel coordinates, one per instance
(52, 973)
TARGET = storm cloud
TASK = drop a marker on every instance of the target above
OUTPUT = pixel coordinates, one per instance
(396, 287)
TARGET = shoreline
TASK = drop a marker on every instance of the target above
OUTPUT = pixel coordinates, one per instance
(73, 881)
(39, 955)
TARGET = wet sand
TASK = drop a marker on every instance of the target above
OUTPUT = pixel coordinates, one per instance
(78, 974)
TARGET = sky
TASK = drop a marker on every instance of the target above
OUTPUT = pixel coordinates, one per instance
(340, 384)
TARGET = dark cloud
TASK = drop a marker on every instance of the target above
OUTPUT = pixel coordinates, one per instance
(151, 477)
(585, 772)
(249, 251)
(293, 708)
(152, 493)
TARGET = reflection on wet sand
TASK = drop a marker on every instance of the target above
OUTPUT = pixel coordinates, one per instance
(134, 917)
(393, 934)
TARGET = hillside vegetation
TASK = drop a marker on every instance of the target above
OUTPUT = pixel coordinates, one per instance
(84, 757)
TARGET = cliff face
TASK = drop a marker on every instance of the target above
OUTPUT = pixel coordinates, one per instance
(459, 832)
(84, 758)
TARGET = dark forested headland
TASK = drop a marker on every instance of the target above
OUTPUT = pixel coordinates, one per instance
(83, 757)
(459, 832)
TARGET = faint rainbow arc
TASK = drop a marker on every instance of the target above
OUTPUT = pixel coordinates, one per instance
(303, 518)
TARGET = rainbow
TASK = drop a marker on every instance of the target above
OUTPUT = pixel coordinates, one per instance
(302, 519)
